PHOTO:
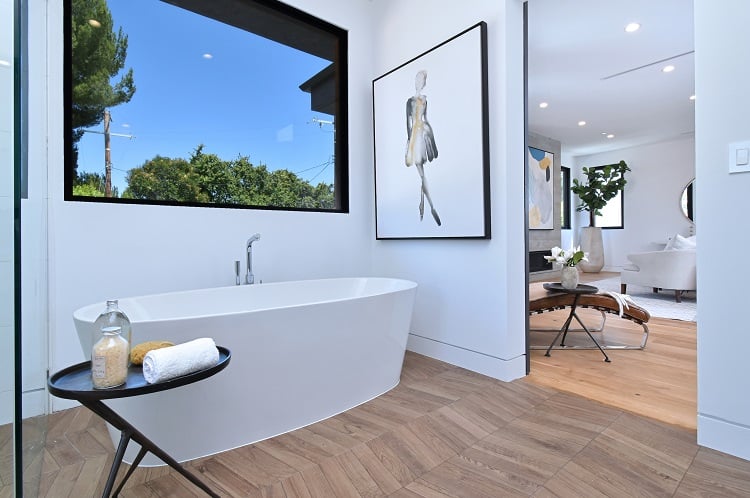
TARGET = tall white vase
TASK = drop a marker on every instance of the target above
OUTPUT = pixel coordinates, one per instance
(592, 244)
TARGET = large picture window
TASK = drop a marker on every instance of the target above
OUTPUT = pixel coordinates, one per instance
(222, 103)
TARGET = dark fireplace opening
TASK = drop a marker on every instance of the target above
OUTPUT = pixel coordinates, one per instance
(537, 261)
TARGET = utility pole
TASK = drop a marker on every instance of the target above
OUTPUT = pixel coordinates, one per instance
(107, 157)
(322, 122)
(107, 151)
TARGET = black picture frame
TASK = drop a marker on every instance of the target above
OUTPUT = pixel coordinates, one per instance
(432, 182)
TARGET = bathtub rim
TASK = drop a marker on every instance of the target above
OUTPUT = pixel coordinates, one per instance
(88, 313)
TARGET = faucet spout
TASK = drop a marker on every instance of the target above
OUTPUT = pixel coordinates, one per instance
(249, 277)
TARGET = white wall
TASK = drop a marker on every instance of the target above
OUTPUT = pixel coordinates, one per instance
(659, 174)
(100, 251)
(570, 235)
(470, 302)
(722, 110)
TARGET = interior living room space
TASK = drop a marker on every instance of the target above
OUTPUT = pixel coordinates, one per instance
(606, 86)
(602, 91)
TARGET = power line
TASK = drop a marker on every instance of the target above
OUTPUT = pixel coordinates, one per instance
(330, 160)
(327, 163)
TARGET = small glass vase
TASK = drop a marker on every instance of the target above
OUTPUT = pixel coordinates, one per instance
(569, 277)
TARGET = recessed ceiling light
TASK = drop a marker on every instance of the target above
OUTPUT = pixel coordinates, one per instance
(543, 105)
(667, 69)
(632, 27)
(692, 97)
(610, 136)
(582, 123)
(4, 63)
(604, 133)
(94, 23)
(208, 56)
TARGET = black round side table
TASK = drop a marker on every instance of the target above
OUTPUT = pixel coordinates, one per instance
(581, 289)
(75, 383)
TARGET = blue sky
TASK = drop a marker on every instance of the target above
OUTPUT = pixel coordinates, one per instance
(199, 81)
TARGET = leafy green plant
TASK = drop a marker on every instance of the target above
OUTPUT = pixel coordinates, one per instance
(602, 184)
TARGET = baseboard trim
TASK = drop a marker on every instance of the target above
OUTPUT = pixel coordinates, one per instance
(497, 368)
(34, 403)
(723, 435)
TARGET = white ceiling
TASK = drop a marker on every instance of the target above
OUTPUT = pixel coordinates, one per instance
(575, 44)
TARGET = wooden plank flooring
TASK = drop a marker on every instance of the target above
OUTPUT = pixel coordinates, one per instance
(658, 382)
(443, 432)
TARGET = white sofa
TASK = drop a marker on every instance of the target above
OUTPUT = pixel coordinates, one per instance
(673, 268)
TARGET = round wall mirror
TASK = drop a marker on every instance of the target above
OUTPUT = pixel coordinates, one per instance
(686, 201)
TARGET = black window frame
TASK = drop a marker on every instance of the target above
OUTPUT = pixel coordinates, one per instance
(565, 217)
(269, 8)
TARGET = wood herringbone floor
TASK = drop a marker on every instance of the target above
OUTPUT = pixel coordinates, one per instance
(443, 432)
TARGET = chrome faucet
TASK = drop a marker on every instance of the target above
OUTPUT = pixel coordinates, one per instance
(249, 277)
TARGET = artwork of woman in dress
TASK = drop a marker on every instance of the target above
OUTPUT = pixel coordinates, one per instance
(420, 144)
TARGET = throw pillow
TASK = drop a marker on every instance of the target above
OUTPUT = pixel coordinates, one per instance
(682, 243)
(670, 243)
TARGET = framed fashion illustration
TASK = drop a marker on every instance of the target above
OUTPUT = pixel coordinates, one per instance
(431, 139)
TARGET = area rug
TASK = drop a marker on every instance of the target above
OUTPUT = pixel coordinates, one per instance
(660, 305)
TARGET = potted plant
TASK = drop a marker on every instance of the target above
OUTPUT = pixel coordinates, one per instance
(567, 260)
(602, 184)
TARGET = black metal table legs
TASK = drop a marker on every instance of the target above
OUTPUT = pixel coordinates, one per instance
(564, 330)
(129, 432)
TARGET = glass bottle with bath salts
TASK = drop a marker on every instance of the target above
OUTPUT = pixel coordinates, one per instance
(109, 359)
(113, 316)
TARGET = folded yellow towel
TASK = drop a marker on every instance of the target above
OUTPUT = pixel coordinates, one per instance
(139, 351)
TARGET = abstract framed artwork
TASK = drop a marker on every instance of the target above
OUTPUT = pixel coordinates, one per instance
(432, 171)
(541, 182)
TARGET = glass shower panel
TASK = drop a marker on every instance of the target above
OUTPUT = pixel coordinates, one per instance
(7, 332)
(30, 235)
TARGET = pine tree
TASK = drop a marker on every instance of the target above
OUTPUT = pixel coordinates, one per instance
(98, 58)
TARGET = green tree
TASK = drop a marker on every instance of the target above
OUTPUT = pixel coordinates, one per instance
(87, 190)
(206, 178)
(98, 57)
(164, 179)
(91, 185)
(213, 176)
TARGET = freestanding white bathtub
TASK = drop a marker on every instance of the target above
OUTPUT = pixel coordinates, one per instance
(301, 352)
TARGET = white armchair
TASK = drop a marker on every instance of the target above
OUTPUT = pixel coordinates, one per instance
(670, 269)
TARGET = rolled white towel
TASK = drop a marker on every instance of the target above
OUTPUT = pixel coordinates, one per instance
(167, 363)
